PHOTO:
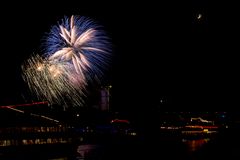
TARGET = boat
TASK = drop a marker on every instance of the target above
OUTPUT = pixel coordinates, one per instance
(199, 127)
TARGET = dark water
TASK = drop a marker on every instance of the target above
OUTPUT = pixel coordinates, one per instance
(114, 149)
(223, 145)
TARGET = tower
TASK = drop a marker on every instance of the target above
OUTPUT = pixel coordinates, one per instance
(105, 98)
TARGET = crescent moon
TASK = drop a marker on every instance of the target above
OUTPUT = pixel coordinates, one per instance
(199, 16)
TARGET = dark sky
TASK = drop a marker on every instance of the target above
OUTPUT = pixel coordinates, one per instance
(161, 50)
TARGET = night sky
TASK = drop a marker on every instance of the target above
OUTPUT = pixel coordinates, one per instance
(161, 51)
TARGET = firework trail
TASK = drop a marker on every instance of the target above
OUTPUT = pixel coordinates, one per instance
(76, 52)
(52, 81)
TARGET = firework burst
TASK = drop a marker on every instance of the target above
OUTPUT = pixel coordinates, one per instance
(53, 82)
(80, 42)
(76, 52)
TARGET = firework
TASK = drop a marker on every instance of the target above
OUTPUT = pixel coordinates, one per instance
(53, 82)
(76, 52)
(80, 42)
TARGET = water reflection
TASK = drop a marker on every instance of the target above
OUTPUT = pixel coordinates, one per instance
(195, 144)
(83, 150)
(96, 152)
(19, 142)
(87, 151)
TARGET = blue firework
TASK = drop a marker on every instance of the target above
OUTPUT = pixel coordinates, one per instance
(81, 42)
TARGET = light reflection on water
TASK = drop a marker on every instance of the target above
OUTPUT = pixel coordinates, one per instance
(195, 144)
(86, 151)
(96, 152)
(37, 141)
